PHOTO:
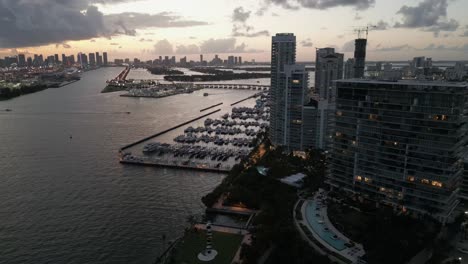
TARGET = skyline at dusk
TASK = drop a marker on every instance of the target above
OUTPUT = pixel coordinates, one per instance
(143, 29)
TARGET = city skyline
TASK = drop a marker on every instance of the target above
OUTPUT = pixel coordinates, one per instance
(141, 29)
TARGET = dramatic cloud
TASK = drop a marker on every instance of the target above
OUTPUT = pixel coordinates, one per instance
(187, 49)
(433, 47)
(63, 45)
(126, 23)
(451, 25)
(240, 27)
(41, 22)
(394, 48)
(163, 47)
(224, 46)
(348, 46)
(381, 25)
(429, 15)
(320, 4)
(246, 31)
(239, 15)
(146, 40)
(307, 43)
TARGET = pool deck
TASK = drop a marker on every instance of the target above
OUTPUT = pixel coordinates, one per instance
(327, 246)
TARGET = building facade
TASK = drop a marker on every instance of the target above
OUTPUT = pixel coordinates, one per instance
(360, 57)
(328, 67)
(283, 52)
(401, 143)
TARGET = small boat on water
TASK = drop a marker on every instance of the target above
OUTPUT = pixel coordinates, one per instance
(8, 110)
(205, 94)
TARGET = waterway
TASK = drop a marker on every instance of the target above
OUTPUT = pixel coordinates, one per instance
(64, 198)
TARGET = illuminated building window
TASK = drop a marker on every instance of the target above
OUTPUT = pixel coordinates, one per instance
(411, 178)
(368, 180)
(358, 178)
(338, 134)
(372, 117)
(425, 181)
(339, 113)
(296, 81)
(297, 122)
(436, 184)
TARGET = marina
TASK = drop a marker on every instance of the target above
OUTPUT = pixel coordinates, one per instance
(215, 145)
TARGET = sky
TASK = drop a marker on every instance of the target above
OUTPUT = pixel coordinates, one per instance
(146, 29)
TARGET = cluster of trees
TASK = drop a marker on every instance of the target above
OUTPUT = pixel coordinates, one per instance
(7, 93)
(274, 225)
(164, 71)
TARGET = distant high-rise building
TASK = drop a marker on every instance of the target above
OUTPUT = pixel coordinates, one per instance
(349, 69)
(56, 59)
(230, 60)
(64, 59)
(104, 56)
(388, 66)
(283, 53)
(235, 60)
(418, 62)
(51, 59)
(92, 59)
(401, 143)
(428, 63)
(98, 59)
(21, 60)
(29, 62)
(201, 58)
(378, 66)
(240, 60)
(328, 67)
(84, 59)
(71, 59)
(360, 57)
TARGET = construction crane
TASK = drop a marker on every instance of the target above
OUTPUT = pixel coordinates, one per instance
(361, 30)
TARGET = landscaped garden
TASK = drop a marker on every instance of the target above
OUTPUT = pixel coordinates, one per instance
(194, 242)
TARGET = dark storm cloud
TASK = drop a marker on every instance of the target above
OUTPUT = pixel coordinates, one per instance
(40, 22)
(429, 15)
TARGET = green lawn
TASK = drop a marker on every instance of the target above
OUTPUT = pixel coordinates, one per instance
(194, 242)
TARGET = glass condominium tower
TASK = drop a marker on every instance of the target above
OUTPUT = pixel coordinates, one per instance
(401, 143)
(283, 52)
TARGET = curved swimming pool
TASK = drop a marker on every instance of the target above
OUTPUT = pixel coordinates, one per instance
(314, 219)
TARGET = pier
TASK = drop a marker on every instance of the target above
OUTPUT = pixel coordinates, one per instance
(123, 75)
(167, 130)
(233, 86)
(209, 107)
